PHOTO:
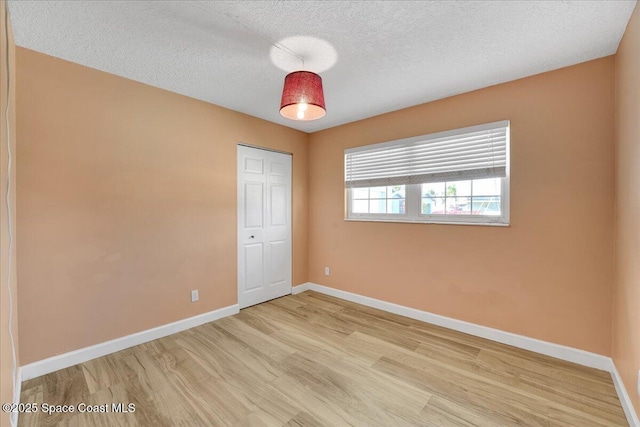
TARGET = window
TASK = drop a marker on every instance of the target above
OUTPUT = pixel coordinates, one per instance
(389, 200)
(459, 176)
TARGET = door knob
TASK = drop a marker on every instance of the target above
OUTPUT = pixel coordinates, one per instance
(251, 237)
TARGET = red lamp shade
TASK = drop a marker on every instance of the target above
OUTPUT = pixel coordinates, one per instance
(302, 96)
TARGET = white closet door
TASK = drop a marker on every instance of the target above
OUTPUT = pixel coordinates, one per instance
(264, 225)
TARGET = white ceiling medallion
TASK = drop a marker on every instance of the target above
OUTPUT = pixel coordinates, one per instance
(318, 54)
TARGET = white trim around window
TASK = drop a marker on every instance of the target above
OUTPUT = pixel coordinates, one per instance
(454, 177)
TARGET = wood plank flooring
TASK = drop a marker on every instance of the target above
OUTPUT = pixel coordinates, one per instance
(314, 360)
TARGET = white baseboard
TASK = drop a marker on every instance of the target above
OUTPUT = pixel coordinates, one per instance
(300, 288)
(625, 400)
(13, 418)
(570, 354)
(71, 358)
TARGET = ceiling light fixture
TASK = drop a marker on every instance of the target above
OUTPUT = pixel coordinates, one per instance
(302, 96)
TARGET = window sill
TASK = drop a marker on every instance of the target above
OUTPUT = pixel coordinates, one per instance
(404, 221)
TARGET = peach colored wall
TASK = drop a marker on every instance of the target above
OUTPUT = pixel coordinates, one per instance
(6, 356)
(626, 295)
(549, 274)
(126, 202)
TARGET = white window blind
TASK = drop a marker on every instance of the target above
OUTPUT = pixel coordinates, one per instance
(470, 153)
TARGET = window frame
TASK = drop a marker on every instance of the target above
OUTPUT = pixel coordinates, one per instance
(413, 204)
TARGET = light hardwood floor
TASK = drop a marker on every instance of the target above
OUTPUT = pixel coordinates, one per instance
(314, 360)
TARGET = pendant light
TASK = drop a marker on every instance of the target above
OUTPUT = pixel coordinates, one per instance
(302, 96)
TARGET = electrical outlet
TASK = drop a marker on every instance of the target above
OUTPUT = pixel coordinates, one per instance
(194, 296)
(326, 271)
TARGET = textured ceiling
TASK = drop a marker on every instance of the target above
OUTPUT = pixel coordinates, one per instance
(390, 55)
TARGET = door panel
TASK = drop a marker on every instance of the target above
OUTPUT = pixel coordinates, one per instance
(264, 225)
(278, 205)
(278, 168)
(253, 204)
(278, 262)
(254, 266)
(253, 165)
